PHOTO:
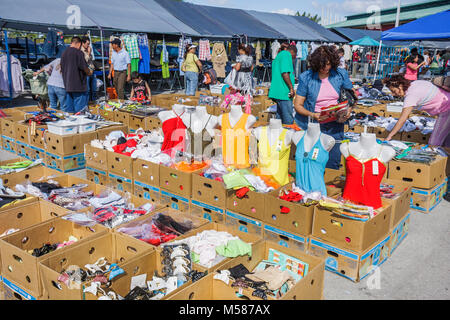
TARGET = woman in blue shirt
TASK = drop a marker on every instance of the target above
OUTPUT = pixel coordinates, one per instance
(320, 87)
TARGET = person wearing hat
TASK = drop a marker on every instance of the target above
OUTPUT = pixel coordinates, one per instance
(121, 64)
(191, 68)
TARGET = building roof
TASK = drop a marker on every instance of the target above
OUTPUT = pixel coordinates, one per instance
(407, 13)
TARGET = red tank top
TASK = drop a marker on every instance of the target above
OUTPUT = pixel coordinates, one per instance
(174, 136)
(361, 185)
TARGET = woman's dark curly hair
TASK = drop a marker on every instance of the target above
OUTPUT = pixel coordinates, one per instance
(321, 56)
(396, 81)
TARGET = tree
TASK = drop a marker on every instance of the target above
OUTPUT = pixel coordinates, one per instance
(314, 18)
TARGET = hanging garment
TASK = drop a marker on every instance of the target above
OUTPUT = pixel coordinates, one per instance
(194, 138)
(16, 75)
(174, 136)
(131, 45)
(274, 160)
(144, 63)
(275, 47)
(299, 50)
(310, 166)
(362, 186)
(304, 51)
(258, 54)
(267, 51)
(164, 52)
(164, 68)
(50, 43)
(235, 142)
(182, 44)
(219, 59)
(234, 48)
(204, 50)
(134, 65)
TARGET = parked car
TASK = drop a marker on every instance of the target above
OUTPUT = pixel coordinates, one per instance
(32, 57)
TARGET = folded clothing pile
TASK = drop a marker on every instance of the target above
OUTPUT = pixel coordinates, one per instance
(272, 277)
(144, 145)
(72, 198)
(210, 247)
(347, 209)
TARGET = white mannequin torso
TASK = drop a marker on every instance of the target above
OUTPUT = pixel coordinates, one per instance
(198, 119)
(311, 135)
(235, 114)
(274, 130)
(368, 148)
(177, 109)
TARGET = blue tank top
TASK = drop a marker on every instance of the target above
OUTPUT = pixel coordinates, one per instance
(310, 167)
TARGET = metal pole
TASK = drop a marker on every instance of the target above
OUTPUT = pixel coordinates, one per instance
(103, 62)
(397, 18)
(378, 61)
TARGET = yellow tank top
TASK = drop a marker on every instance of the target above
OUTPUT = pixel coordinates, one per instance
(274, 160)
(235, 142)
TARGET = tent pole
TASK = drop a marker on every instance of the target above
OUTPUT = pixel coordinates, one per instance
(103, 62)
(378, 61)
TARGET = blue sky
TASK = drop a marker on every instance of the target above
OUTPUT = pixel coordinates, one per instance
(336, 9)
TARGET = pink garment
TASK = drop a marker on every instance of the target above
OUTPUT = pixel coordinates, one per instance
(441, 132)
(425, 96)
(327, 96)
(204, 50)
(239, 99)
(411, 74)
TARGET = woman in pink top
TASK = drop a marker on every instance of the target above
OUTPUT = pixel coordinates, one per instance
(412, 68)
(424, 96)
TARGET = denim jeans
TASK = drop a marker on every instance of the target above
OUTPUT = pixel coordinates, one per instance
(56, 94)
(285, 109)
(75, 102)
(191, 82)
(92, 88)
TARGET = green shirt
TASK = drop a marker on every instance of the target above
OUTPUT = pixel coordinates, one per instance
(282, 63)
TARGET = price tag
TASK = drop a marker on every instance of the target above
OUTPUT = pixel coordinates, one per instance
(279, 145)
(375, 168)
(315, 154)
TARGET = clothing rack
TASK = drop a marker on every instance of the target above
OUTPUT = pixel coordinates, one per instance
(8, 57)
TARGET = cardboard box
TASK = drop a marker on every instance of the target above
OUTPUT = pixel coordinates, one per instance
(21, 149)
(146, 172)
(123, 117)
(120, 164)
(24, 131)
(298, 220)
(399, 233)
(66, 163)
(8, 123)
(8, 144)
(14, 292)
(97, 176)
(96, 157)
(176, 181)
(249, 238)
(103, 132)
(252, 205)
(382, 133)
(152, 123)
(416, 136)
(243, 224)
(107, 114)
(209, 191)
(285, 239)
(120, 183)
(400, 204)
(33, 174)
(348, 233)
(349, 264)
(37, 139)
(174, 201)
(147, 192)
(114, 247)
(308, 288)
(36, 153)
(424, 176)
(208, 212)
(136, 122)
(23, 268)
(67, 145)
(426, 200)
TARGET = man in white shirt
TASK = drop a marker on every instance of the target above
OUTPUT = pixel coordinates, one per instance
(341, 59)
(121, 64)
